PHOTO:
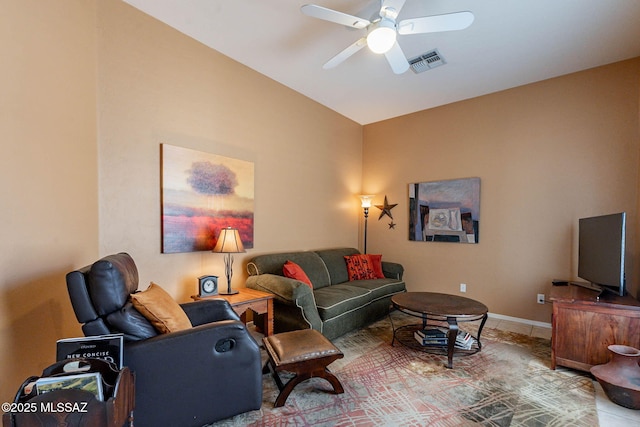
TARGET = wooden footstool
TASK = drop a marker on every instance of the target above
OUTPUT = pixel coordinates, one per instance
(307, 353)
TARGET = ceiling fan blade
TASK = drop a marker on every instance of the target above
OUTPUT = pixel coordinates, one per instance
(331, 15)
(436, 23)
(397, 60)
(339, 58)
(391, 8)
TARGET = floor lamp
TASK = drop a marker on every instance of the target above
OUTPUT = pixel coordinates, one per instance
(365, 200)
(229, 243)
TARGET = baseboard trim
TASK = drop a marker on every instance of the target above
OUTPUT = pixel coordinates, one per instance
(519, 320)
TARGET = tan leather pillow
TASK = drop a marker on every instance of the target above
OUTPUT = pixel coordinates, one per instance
(157, 306)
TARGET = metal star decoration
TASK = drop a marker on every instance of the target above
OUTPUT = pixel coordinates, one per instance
(392, 225)
(386, 209)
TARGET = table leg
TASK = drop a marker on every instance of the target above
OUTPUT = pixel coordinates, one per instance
(484, 319)
(452, 334)
(268, 319)
(393, 329)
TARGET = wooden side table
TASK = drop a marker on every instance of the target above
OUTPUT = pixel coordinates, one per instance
(257, 301)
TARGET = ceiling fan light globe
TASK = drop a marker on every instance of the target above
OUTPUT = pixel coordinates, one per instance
(382, 38)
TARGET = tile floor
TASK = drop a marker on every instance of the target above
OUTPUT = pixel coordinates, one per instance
(609, 414)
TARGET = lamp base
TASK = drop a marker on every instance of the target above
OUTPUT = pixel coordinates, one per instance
(232, 292)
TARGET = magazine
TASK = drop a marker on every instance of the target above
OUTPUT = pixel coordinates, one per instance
(464, 340)
(106, 347)
(91, 382)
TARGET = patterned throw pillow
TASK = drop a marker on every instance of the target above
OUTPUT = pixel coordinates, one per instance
(364, 266)
(293, 271)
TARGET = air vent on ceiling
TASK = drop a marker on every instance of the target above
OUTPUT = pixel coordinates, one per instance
(427, 61)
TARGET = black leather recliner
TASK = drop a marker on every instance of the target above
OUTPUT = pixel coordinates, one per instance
(187, 378)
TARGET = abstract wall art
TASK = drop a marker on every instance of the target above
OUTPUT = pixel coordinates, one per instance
(445, 211)
(201, 194)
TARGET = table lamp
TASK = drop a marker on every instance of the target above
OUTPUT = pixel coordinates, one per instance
(228, 243)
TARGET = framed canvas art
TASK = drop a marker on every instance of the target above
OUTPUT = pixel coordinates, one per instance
(445, 211)
(203, 193)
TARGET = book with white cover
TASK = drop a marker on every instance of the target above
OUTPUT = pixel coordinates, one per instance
(106, 347)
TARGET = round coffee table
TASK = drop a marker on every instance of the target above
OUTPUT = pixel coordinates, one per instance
(444, 311)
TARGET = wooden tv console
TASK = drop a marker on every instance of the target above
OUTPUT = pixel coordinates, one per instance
(583, 326)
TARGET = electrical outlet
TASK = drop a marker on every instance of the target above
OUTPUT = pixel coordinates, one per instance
(540, 299)
(463, 287)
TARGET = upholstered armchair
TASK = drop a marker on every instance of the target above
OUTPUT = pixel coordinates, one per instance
(205, 372)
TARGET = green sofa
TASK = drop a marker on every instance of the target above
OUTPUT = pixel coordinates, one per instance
(335, 305)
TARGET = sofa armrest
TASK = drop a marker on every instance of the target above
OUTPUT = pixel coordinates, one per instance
(392, 270)
(285, 289)
(207, 311)
(291, 292)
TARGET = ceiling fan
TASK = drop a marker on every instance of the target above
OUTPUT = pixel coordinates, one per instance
(382, 31)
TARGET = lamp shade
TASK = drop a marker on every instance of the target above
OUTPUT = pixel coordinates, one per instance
(365, 200)
(229, 241)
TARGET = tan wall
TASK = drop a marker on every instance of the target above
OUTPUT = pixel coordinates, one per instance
(48, 170)
(547, 154)
(77, 190)
(159, 86)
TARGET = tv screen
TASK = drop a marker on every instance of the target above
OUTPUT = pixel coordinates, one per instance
(601, 248)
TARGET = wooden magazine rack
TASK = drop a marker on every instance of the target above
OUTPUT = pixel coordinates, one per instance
(73, 407)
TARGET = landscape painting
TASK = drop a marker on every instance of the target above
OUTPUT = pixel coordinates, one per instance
(445, 211)
(203, 193)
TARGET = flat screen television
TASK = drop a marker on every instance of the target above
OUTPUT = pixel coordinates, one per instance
(601, 250)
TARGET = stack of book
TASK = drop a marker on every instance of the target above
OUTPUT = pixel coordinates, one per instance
(438, 337)
(430, 336)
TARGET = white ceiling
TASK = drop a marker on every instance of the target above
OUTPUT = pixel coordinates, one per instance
(510, 43)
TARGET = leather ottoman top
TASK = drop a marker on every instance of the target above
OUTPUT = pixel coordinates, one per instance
(298, 346)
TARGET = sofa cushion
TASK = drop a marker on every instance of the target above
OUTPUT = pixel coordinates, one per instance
(294, 271)
(380, 288)
(339, 299)
(310, 262)
(160, 309)
(335, 263)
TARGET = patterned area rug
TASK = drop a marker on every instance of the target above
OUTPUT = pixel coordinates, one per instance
(508, 383)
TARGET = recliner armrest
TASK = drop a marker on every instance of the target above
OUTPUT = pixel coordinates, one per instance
(207, 311)
(185, 341)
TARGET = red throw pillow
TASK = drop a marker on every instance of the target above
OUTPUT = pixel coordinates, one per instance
(361, 267)
(294, 271)
(376, 264)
